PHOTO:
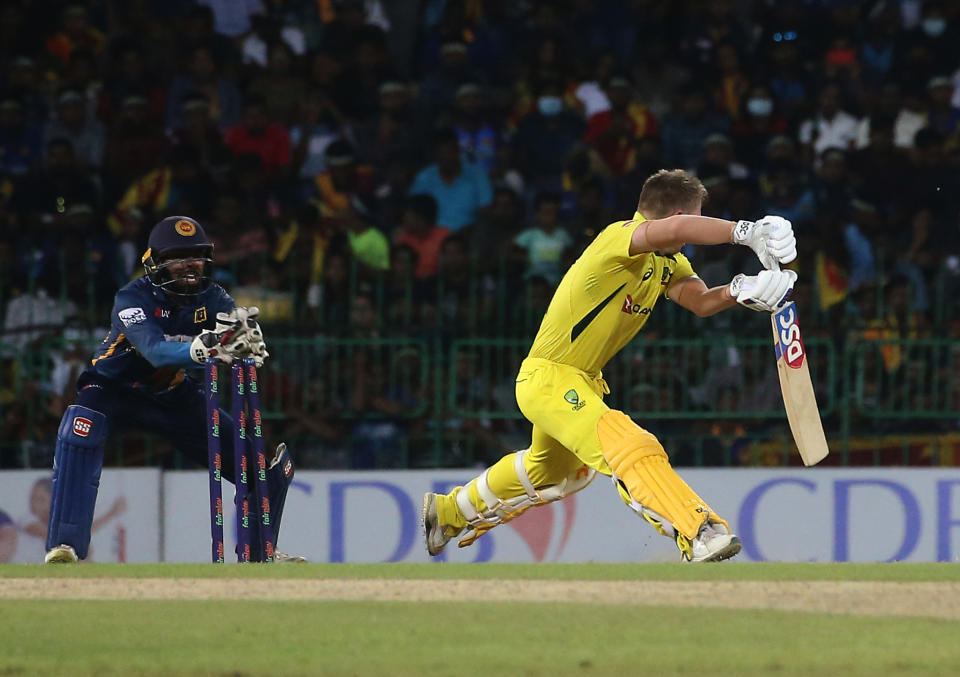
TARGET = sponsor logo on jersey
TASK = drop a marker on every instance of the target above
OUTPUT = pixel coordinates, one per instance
(200, 315)
(82, 426)
(160, 312)
(185, 228)
(573, 398)
(631, 308)
(132, 316)
(791, 346)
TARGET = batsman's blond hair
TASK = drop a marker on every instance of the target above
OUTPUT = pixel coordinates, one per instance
(668, 191)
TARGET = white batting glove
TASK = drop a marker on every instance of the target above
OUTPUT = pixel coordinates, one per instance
(767, 291)
(771, 238)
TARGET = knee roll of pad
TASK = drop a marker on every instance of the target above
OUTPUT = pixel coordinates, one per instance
(640, 464)
(77, 464)
(499, 511)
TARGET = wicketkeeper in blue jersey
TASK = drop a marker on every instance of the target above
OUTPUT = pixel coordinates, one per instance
(171, 319)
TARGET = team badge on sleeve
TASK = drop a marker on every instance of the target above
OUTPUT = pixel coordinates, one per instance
(132, 316)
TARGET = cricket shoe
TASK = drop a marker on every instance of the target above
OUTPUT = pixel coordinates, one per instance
(286, 558)
(713, 543)
(436, 535)
(62, 554)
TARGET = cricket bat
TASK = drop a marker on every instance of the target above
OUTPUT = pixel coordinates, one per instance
(798, 397)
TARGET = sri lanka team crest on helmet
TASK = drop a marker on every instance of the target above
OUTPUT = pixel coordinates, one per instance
(574, 399)
(185, 228)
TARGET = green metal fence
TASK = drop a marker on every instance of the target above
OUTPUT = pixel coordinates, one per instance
(413, 402)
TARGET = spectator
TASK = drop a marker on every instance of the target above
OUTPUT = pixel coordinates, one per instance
(135, 144)
(130, 78)
(460, 188)
(718, 158)
(75, 33)
(369, 246)
(342, 181)
(21, 142)
(25, 85)
(199, 133)
(612, 132)
(233, 18)
(543, 244)
(439, 86)
(685, 130)
(830, 127)
(731, 82)
(546, 136)
(491, 240)
(84, 76)
(198, 30)
(319, 123)
(45, 194)
(395, 129)
(260, 135)
(365, 71)
(278, 85)
(478, 138)
(944, 117)
(86, 135)
(756, 125)
(202, 77)
(258, 46)
(420, 232)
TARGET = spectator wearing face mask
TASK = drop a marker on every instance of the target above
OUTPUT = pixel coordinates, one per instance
(759, 122)
(934, 33)
(545, 136)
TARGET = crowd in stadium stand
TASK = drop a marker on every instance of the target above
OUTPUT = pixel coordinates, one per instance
(372, 169)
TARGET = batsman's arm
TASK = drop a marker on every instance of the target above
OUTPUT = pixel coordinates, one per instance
(675, 231)
(693, 294)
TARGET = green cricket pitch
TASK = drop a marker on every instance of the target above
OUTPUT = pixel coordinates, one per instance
(480, 619)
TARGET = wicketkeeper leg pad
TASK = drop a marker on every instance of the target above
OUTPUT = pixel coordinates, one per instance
(77, 463)
(279, 479)
(640, 465)
(483, 509)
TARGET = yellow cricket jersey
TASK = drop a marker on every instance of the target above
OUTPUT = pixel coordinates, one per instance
(605, 299)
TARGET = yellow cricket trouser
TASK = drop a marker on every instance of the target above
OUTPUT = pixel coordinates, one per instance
(564, 405)
(573, 428)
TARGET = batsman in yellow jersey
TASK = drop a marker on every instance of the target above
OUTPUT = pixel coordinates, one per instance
(560, 386)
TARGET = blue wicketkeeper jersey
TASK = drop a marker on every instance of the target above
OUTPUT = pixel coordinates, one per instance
(149, 341)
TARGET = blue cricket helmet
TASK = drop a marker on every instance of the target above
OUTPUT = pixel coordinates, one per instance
(186, 237)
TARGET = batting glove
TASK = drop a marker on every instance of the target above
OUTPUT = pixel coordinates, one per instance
(767, 291)
(771, 238)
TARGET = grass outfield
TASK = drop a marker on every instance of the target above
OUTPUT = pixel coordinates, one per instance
(460, 637)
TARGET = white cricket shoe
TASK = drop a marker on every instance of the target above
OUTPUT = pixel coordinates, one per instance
(286, 558)
(435, 535)
(714, 543)
(62, 554)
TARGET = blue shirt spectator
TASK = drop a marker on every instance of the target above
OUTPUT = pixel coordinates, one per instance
(460, 188)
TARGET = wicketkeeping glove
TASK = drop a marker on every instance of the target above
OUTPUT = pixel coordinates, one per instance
(225, 344)
(246, 321)
(767, 291)
(771, 238)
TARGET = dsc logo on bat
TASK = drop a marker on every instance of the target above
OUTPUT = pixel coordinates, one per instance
(791, 344)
